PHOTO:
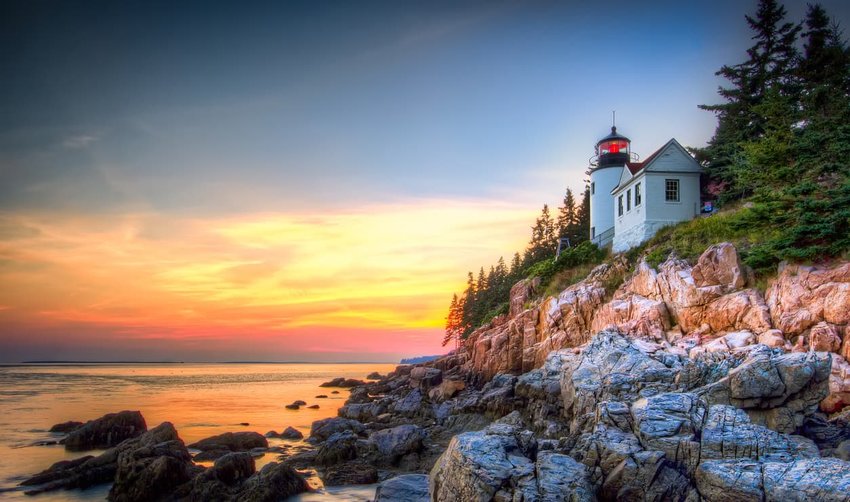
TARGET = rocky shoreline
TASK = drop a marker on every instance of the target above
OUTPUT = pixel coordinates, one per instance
(676, 383)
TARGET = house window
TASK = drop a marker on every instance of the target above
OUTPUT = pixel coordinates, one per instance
(637, 195)
(620, 206)
(629, 199)
(592, 232)
(671, 190)
(592, 188)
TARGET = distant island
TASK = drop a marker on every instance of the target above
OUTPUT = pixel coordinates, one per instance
(419, 360)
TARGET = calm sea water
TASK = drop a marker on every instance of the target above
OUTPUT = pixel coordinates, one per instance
(201, 400)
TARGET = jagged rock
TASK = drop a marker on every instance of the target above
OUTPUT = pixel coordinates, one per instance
(356, 472)
(338, 448)
(291, 433)
(446, 390)
(151, 466)
(839, 386)
(215, 447)
(560, 478)
(670, 423)
(634, 315)
(520, 293)
(66, 427)
(719, 265)
(374, 376)
(777, 390)
(343, 382)
(824, 337)
(359, 395)
(409, 405)
(425, 378)
(404, 488)
(222, 481)
(611, 369)
(274, 482)
(645, 475)
(321, 430)
(494, 465)
(823, 479)
(802, 296)
(540, 391)
(362, 412)
(773, 338)
(475, 466)
(729, 434)
(106, 431)
(394, 443)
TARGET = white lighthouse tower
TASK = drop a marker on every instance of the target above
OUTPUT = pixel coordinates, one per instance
(612, 154)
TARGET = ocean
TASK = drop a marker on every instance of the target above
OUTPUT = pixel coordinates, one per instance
(201, 400)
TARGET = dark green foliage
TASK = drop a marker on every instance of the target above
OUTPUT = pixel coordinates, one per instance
(582, 254)
(783, 140)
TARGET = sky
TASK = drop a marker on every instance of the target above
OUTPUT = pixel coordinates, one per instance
(310, 181)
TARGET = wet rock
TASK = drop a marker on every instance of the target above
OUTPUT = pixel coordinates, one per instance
(274, 482)
(291, 433)
(66, 427)
(149, 468)
(106, 431)
(293, 406)
(215, 447)
(338, 448)
(404, 488)
(356, 472)
(299, 402)
(343, 382)
(322, 396)
(374, 376)
(313, 407)
(321, 430)
(475, 466)
(396, 442)
(233, 479)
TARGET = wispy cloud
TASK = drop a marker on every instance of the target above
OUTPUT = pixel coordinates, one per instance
(378, 268)
(80, 141)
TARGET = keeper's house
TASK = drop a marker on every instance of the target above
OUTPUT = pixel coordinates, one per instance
(630, 201)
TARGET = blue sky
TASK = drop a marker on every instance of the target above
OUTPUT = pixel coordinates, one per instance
(137, 134)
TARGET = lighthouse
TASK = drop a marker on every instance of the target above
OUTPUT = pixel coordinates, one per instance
(612, 154)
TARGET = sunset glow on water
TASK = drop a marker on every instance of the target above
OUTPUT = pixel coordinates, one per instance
(201, 400)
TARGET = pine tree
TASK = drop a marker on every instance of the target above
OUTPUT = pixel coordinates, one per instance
(583, 217)
(761, 99)
(454, 322)
(567, 217)
(824, 69)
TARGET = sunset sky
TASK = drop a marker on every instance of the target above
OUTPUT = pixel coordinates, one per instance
(309, 181)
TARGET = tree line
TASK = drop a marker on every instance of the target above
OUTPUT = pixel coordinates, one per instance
(783, 134)
(487, 294)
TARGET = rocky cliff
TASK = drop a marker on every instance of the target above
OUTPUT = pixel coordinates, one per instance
(711, 306)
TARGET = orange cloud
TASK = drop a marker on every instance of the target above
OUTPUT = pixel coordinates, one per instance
(376, 270)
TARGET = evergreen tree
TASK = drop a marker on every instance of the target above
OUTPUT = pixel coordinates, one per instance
(567, 219)
(762, 98)
(454, 322)
(468, 314)
(583, 218)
